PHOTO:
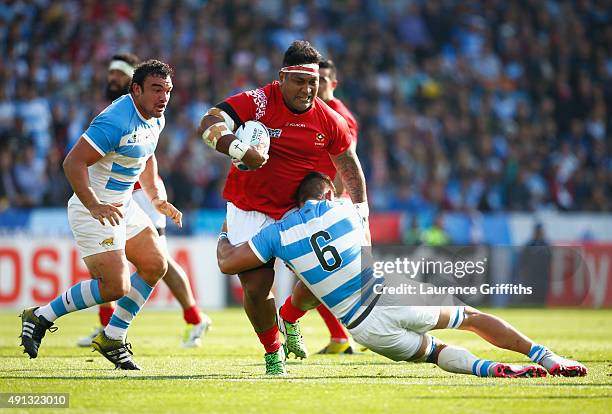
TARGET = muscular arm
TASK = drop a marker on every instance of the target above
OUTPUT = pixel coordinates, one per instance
(236, 259)
(153, 188)
(149, 180)
(349, 168)
(252, 158)
(75, 165)
(338, 185)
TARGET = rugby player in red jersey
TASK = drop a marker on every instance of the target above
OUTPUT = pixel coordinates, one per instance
(328, 81)
(302, 130)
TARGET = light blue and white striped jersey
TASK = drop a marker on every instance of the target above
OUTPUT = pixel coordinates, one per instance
(321, 243)
(126, 140)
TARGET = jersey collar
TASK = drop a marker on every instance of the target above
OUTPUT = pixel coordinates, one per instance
(142, 118)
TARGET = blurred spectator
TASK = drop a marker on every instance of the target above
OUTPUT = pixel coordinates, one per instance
(486, 105)
(436, 235)
(30, 178)
(8, 188)
(58, 188)
(412, 235)
(538, 238)
(534, 266)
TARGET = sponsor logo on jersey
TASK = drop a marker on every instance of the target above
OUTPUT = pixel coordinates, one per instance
(296, 125)
(137, 138)
(110, 242)
(319, 140)
(274, 133)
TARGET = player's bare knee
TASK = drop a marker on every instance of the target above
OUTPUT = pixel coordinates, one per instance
(114, 291)
(153, 269)
(256, 286)
(256, 292)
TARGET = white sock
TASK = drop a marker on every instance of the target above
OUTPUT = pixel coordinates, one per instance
(457, 317)
(543, 356)
(462, 361)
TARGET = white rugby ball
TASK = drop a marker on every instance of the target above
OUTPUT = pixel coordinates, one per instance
(254, 134)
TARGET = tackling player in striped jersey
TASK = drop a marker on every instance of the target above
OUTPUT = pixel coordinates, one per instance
(322, 243)
(115, 152)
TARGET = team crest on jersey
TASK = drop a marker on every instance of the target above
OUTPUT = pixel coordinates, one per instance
(274, 133)
(319, 140)
(110, 242)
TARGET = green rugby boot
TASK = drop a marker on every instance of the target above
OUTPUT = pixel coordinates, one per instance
(293, 338)
(275, 362)
(116, 351)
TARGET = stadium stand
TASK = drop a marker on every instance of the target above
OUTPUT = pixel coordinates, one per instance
(479, 105)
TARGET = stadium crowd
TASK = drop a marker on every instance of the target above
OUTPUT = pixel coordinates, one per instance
(489, 105)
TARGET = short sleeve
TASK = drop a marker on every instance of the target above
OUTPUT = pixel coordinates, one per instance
(247, 106)
(266, 243)
(103, 134)
(341, 135)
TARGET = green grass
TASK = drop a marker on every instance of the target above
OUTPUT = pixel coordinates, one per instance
(225, 375)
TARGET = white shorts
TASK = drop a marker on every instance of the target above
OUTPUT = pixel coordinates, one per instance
(93, 238)
(158, 219)
(396, 332)
(242, 225)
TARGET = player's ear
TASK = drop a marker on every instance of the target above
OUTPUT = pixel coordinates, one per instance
(329, 195)
(334, 83)
(136, 89)
(281, 76)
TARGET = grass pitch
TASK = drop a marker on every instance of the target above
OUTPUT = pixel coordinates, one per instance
(226, 374)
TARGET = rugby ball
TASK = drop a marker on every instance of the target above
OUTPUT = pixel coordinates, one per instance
(254, 134)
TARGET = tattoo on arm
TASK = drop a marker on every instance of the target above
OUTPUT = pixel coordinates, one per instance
(349, 168)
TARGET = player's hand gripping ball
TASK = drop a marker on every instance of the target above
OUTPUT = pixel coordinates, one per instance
(254, 134)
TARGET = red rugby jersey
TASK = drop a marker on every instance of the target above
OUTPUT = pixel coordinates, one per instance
(297, 144)
(326, 165)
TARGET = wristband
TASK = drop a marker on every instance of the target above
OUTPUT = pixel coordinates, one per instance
(363, 209)
(222, 235)
(237, 149)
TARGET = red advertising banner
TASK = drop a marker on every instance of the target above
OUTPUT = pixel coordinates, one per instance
(34, 271)
(581, 276)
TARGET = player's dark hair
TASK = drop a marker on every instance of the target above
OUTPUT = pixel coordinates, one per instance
(150, 68)
(329, 64)
(129, 58)
(300, 52)
(314, 186)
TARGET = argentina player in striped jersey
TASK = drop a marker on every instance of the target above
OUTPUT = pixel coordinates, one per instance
(322, 243)
(119, 78)
(115, 152)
